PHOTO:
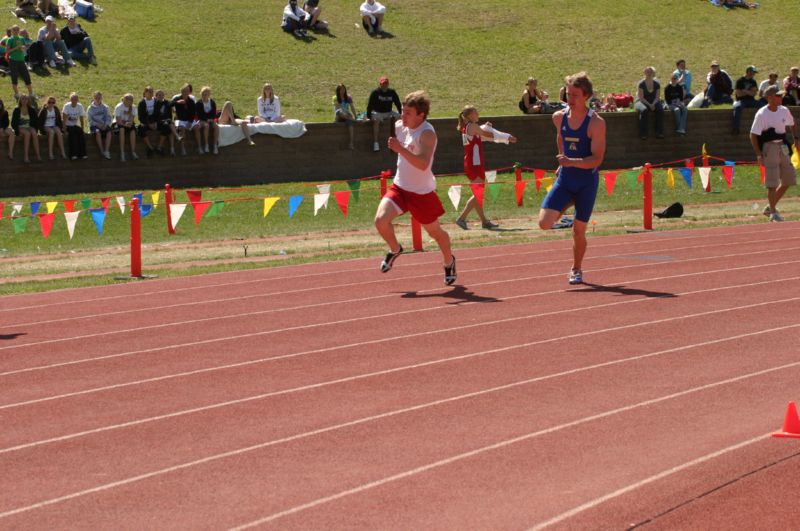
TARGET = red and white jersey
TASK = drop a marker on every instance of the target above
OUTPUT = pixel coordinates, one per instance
(407, 176)
(473, 149)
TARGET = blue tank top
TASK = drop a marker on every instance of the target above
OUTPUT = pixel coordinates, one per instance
(576, 143)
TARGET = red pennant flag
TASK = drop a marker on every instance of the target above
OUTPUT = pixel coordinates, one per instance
(689, 163)
(727, 171)
(105, 201)
(342, 198)
(763, 175)
(69, 205)
(477, 191)
(611, 180)
(46, 222)
(2, 206)
(520, 189)
(538, 175)
(200, 209)
(194, 196)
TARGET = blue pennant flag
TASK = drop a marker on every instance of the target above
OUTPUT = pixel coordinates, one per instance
(99, 217)
(139, 197)
(145, 210)
(35, 207)
(687, 175)
(294, 203)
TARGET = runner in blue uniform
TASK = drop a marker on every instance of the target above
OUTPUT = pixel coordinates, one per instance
(581, 141)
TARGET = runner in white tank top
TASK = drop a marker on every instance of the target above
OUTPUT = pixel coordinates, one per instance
(414, 186)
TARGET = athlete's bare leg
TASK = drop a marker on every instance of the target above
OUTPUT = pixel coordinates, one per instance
(578, 244)
(442, 239)
(548, 217)
(386, 213)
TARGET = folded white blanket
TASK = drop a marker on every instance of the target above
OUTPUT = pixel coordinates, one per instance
(230, 134)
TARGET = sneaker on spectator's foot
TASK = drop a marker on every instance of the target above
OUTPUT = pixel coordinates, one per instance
(172, 152)
(388, 262)
(70, 62)
(160, 150)
(51, 63)
(489, 225)
(73, 157)
(376, 146)
(122, 157)
(205, 149)
(134, 156)
(450, 272)
(85, 157)
(93, 60)
(775, 216)
(767, 211)
(200, 151)
(576, 276)
(216, 150)
(183, 151)
(462, 223)
(107, 155)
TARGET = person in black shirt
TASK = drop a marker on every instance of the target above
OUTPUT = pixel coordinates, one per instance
(674, 95)
(379, 109)
(746, 90)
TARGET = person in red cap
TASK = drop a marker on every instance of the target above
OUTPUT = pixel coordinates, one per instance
(379, 108)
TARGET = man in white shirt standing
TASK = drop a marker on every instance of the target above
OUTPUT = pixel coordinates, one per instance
(772, 134)
(414, 186)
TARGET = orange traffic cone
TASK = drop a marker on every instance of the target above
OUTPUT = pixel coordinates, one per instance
(791, 423)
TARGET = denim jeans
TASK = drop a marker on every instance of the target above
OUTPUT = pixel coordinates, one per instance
(680, 112)
(713, 97)
(77, 50)
(50, 50)
(644, 113)
(737, 110)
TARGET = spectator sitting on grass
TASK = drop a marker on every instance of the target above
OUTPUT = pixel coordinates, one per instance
(746, 90)
(77, 41)
(379, 109)
(100, 122)
(51, 39)
(372, 14)
(530, 102)
(674, 95)
(28, 9)
(48, 7)
(125, 118)
(295, 20)
(5, 129)
(312, 8)
(51, 125)
(771, 81)
(269, 106)
(719, 88)
(791, 85)
(206, 113)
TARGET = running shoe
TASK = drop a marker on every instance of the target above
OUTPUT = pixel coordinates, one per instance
(775, 216)
(767, 211)
(462, 223)
(450, 272)
(388, 262)
(576, 276)
(489, 225)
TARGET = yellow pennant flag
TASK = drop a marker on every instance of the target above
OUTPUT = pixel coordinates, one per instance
(155, 196)
(269, 202)
(51, 206)
(670, 178)
(547, 182)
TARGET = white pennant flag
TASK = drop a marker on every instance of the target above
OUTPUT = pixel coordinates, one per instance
(454, 193)
(72, 219)
(704, 173)
(320, 200)
(325, 189)
(491, 176)
(121, 203)
(176, 211)
(16, 208)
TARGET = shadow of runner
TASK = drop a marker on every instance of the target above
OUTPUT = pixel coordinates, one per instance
(459, 294)
(6, 337)
(622, 290)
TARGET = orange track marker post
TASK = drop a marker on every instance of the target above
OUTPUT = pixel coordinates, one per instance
(136, 240)
(647, 210)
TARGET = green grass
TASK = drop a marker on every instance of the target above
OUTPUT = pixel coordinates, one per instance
(480, 52)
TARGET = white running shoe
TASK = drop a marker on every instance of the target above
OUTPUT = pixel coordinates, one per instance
(775, 216)
(576, 276)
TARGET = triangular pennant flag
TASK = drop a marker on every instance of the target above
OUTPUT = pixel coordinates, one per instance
(72, 219)
(144, 210)
(491, 176)
(104, 201)
(538, 175)
(670, 178)
(342, 199)
(139, 198)
(689, 163)
(633, 178)
(46, 223)
(478, 190)
(610, 178)
(324, 189)
(176, 210)
(86, 203)
(320, 200)
(121, 203)
(519, 189)
(354, 186)
(494, 190)
(294, 203)
(200, 209)
(454, 193)
(20, 224)
(194, 196)
(727, 172)
(99, 217)
(704, 176)
(215, 209)
(35, 207)
(16, 208)
(763, 175)
(269, 202)
(547, 182)
(155, 197)
(51, 206)
(686, 173)
(69, 205)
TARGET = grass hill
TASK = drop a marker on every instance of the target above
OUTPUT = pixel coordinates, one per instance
(480, 52)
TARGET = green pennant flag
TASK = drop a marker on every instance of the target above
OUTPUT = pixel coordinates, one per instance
(633, 179)
(494, 190)
(215, 209)
(20, 224)
(86, 203)
(354, 186)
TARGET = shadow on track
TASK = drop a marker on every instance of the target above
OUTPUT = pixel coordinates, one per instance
(622, 290)
(459, 294)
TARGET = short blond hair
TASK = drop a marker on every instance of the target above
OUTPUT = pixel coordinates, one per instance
(420, 101)
(580, 80)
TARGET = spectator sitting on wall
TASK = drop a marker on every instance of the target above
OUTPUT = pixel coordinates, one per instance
(344, 110)
(125, 119)
(207, 128)
(746, 90)
(719, 88)
(24, 122)
(269, 106)
(227, 116)
(77, 41)
(649, 102)
(184, 106)
(52, 126)
(74, 117)
(5, 130)
(684, 79)
(771, 81)
(379, 109)
(295, 20)
(51, 39)
(312, 8)
(372, 14)
(791, 86)
(530, 103)
(674, 97)
(146, 111)
(164, 123)
(100, 122)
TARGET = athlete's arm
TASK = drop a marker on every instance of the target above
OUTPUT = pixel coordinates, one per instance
(421, 160)
(557, 118)
(597, 132)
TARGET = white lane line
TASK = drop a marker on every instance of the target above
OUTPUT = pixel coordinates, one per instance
(662, 237)
(415, 471)
(194, 304)
(263, 312)
(656, 477)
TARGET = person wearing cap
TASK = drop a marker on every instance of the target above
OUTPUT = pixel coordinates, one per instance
(379, 108)
(51, 40)
(772, 132)
(719, 86)
(791, 85)
(771, 81)
(372, 14)
(746, 89)
(77, 41)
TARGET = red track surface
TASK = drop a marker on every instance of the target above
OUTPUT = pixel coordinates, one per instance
(332, 396)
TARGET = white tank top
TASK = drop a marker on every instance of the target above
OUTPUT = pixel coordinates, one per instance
(408, 177)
